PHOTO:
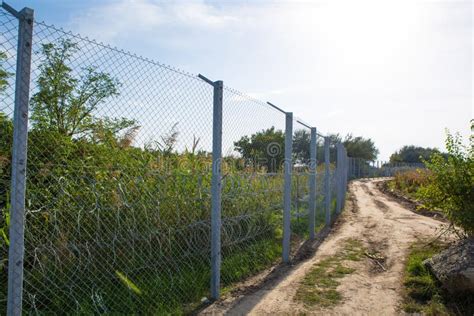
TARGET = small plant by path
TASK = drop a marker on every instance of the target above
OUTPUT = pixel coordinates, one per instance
(319, 285)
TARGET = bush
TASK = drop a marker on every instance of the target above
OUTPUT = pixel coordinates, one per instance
(450, 186)
(410, 181)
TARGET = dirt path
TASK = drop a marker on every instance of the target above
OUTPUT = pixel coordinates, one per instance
(384, 227)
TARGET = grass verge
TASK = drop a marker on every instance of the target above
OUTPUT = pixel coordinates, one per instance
(319, 286)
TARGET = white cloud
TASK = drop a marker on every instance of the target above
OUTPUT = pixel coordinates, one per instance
(381, 68)
(126, 18)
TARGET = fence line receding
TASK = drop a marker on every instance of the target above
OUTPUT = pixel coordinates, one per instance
(146, 188)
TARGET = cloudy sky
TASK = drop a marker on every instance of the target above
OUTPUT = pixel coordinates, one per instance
(399, 72)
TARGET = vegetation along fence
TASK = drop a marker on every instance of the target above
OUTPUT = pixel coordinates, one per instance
(128, 186)
(363, 168)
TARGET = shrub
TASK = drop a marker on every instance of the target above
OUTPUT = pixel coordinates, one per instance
(450, 186)
(410, 181)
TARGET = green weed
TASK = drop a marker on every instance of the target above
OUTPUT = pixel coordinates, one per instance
(319, 285)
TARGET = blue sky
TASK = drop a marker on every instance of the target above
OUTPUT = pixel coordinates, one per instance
(399, 72)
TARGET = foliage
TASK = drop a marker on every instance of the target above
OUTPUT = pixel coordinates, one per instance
(451, 183)
(357, 147)
(447, 183)
(413, 154)
(360, 147)
(65, 103)
(409, 182)
(264, 148)
(301, 144)
(4, 75)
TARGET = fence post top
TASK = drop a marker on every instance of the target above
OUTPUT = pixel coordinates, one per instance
(25, 13)
(218, 83)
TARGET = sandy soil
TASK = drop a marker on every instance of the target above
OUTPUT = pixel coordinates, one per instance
(383, 226)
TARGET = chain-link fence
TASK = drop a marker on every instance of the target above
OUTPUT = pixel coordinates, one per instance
(363, 168)
(139, 188)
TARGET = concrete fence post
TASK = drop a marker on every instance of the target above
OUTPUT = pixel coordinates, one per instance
(216, 189)
(19, 158)
(288, 166)
(312, 183)
(216, 186)
(327, 181)
(338, 178)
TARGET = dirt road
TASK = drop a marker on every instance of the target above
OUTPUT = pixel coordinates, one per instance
(384, 227)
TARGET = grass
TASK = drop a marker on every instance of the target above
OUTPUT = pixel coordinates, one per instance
(423, 293)
(408, 182)
(319, 286)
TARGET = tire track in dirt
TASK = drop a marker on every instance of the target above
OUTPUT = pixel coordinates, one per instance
(385, 228)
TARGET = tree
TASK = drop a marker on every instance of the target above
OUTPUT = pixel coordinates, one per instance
(6, 141)
(357, 147)
(360, 147)
(65, 104)
(3, 73)
(333, 139)
(301, 144)
(264, 148)
(414, 154)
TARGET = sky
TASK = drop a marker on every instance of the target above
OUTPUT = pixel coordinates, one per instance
(398, 72)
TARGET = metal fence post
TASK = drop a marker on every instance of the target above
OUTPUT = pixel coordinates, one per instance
(353, 168)
(346, 174)
(349, 166)
(216, 188)
(327, 180)
(19, 158)
(312, 183)
(359, 172)
(338, 178)
(288, 165)
(354, 172)
(343, 167)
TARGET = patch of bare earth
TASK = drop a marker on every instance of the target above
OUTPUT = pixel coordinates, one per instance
(386, 230)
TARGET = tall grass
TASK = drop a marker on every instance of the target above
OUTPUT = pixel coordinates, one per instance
(410, 181)
(123, 229)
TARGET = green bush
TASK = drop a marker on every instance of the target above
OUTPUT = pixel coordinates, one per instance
(451, 183)
(410, 181)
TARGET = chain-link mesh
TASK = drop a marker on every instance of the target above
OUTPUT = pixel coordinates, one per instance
(118, 191)
(300, 182)
(333, 179)
(363, 168)
(252, 196)
(118, 186)
(8, 56)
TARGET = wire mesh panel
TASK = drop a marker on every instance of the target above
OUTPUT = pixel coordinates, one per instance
(333, 179)
(362, 168)
(118, 185)
(320, 190)
(8, 56)
(252, 189)
(300, 182)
